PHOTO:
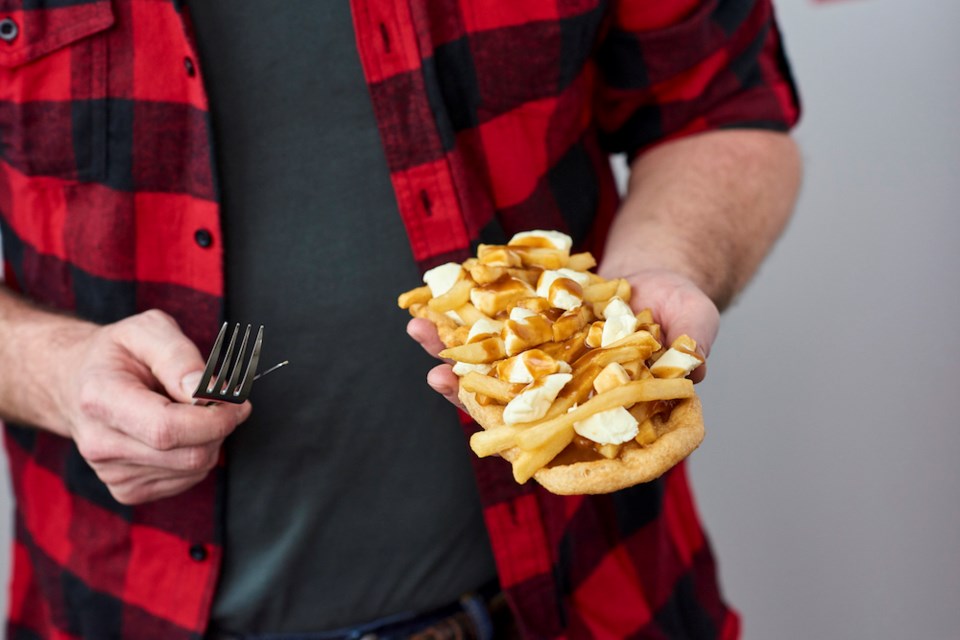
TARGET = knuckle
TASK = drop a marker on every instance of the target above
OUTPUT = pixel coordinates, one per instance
(160, 436)
(90, 401)
(156, 316)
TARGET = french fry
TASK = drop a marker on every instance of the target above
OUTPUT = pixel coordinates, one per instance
(482, 352)
(581, 261)
(569, 350)
(595, 334)
(623, 290)
(571, 322)
(642, 411)
(485, 401)
(531, 461)
(460, 335)
(420, 295)
(647, 434)
(645, 316)
(637, 370)
(529, 275)
(469, 313)
(600, 291)
(494, 388)
(520, 335)
(485, 273)
(534, 303)
(457, 296)
(497, 255)
(446, 326)
(622, 396)
(603, 357)
(574, 392)
(609, 451)
(642, 339)
(492, 441)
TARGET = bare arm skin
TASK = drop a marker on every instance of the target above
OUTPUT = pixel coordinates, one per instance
(120, 391)
(699, 216)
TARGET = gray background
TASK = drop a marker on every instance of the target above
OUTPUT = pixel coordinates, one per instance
(829, 478)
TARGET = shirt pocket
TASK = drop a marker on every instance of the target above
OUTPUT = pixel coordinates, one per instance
(537, 55)
(53, 88)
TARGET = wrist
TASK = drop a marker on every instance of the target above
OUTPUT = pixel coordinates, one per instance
(38, 356)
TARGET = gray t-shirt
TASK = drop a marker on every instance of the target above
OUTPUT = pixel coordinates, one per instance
(350, 493)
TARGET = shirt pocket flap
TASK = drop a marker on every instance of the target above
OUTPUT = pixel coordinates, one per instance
(28, 34)
(634, 58)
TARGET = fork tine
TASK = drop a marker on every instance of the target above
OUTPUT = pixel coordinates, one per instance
(251, 370)
(236, 367)
(212, 359)
(227, 362)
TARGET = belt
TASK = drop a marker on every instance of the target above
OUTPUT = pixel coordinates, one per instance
(480, 615)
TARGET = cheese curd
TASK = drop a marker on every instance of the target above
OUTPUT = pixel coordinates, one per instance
(612, 376)
(518, 314)
(614, 426)
(533, 402)
(441, 279)
(463, 368)
(484, 328)
(570, 296)
(619, 322)
(675, 364)
(555, 239)
(525, 329)
(527, 367)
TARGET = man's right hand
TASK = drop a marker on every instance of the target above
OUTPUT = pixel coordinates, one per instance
(123, 393)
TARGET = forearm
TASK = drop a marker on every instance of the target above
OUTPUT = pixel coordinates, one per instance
(34, 344)
(708, 207)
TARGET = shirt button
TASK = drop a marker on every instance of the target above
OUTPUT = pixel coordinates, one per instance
(189, 66)
(198, 552)
(203, 238)
(8, 30)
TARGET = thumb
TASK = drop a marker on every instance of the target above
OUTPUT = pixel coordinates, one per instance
(701, 325)
(156, 340)
(189, 384)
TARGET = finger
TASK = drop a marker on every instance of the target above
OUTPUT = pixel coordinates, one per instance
(678, 305)
(700, 321)
(697, 375)
(425, 332)
(143, 490)
(444, 381)
(155, 339)
(107, 448)
(160, 423)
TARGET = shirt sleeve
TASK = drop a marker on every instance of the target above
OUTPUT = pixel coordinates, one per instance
(669, 68)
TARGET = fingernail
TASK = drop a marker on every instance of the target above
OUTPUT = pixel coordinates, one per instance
(190, 382)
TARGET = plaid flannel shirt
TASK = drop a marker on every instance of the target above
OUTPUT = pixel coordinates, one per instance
(491, 112)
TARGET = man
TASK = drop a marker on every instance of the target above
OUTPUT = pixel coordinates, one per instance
(345, 504)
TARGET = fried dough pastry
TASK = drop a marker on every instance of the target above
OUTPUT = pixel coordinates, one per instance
(570, 386)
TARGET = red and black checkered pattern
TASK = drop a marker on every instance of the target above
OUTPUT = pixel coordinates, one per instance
(496, 116)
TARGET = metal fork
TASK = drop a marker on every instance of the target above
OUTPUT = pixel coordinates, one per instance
(229, 386)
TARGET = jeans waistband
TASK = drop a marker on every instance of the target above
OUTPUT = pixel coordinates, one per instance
(472, 610)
